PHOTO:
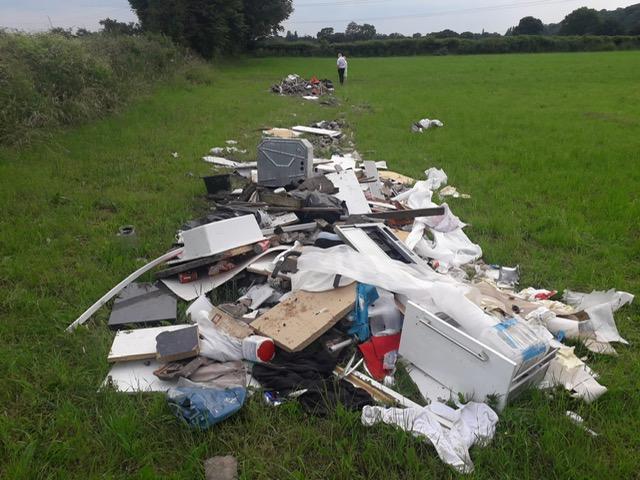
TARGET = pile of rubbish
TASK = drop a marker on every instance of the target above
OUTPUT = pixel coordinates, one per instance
(311, 89)
(321, 280)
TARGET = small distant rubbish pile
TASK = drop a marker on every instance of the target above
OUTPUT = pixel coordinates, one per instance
(425, 124)
(336, 272)
(311, 89)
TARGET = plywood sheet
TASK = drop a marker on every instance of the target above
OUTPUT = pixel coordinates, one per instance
(302, 318)
(398, 177)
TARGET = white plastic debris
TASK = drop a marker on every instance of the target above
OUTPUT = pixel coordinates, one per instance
(600, 307)
(474, 423)
(436, 178)
(568, 371)
(450, 191)
(579, 421)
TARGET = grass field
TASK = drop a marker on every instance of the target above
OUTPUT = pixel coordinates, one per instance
(547, 145)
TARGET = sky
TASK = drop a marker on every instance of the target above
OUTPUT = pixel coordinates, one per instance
(388, 16)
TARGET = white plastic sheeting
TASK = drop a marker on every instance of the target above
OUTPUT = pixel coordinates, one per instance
(436, 178)
(600, 307)
(568, 371)
(450, 245)
(436, 292)
(214, 343)
(474, 423)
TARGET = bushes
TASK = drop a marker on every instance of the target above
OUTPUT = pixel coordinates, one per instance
(49, 80)
(442, 46)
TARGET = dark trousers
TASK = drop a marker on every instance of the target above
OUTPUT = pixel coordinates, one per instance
(341, 75)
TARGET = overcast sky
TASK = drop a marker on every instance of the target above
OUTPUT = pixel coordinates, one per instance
(403, 16)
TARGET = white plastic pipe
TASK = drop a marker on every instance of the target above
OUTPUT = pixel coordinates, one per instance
(124, 283)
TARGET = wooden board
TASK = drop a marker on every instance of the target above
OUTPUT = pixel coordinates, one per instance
(229, 325)
(177, 345)
(398, 177)
(302, 318)
(401, 234)
(137, 344)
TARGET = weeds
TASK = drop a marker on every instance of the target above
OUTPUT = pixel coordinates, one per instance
(51, 80)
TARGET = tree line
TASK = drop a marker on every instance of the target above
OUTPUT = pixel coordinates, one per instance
(582, 21)
(226, 27)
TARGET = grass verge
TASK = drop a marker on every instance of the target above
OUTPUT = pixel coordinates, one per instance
(545, 144)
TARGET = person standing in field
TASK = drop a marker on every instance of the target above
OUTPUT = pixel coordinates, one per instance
(342, 67)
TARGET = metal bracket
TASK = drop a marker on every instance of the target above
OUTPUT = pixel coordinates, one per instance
(482, 356)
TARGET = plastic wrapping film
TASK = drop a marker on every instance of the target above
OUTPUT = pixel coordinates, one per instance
(436, 292)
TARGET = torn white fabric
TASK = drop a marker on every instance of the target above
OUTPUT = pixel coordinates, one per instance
(600, 307)
(474, 423)
(567, 370)
(435, 292)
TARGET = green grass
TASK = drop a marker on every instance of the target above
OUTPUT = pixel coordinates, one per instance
(547, 145)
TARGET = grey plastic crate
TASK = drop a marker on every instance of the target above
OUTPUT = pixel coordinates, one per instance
(283, 162)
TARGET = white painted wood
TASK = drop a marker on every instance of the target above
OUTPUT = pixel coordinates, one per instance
(350, 192)
(118, 288)
(316, 131)
(139, 344)
(133, 377)
(371, 171)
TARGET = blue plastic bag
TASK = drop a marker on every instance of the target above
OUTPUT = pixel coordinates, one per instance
(204, 407)
(365, 296)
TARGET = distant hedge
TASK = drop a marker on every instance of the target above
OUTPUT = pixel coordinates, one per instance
(49, 79)
(450, 46)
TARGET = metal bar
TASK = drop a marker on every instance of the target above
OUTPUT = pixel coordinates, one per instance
(407, 214)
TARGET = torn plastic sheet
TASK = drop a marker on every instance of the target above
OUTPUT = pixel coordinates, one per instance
(191, 291)
(257, 295)
(214, 343)
(568, 371)
(600, 307)
(451, 249)
(436, 178)
(450, 245)
(435, 292)
(474, 423)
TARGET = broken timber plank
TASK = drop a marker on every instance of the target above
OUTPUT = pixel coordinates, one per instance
(177, 345)
(317, 131)
(398, 177)
(407, 214)
(302, 318)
